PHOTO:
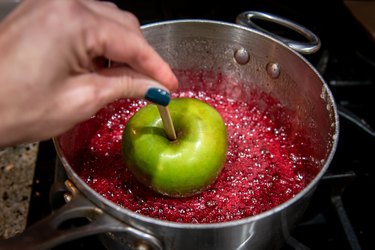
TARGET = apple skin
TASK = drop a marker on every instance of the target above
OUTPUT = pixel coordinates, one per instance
(182, 167)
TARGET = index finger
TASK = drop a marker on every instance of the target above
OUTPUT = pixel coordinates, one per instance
(123, 44)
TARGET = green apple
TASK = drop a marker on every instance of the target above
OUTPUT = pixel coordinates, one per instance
(181, 167)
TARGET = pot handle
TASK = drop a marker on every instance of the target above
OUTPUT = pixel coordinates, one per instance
(246, 19)
(50, 231)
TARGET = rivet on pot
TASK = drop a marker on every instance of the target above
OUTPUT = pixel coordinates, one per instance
(241, 56)
(273, 70)
(142, 246)
(68, 197)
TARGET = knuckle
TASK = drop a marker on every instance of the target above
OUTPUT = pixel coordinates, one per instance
(109, 4)
(132, 19)
(63, 13)
(123, 85)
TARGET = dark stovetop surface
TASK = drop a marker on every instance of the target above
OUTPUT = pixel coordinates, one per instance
(340, 212)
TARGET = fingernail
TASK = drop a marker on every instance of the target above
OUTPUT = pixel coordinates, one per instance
(158, 96)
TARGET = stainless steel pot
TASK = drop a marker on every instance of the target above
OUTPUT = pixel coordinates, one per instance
(254, 59)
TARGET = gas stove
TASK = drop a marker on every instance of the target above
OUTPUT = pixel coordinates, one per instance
(340, 212)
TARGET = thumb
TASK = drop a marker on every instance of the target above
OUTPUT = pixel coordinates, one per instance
(124, 82)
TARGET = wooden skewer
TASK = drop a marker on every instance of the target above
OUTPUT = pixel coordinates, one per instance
(167, 122)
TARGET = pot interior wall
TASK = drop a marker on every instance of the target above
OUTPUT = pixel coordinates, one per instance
(210, 48)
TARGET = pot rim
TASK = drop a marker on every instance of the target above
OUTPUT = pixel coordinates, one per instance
(110, 206)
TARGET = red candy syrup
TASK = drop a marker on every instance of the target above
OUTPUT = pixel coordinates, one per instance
(267, 163)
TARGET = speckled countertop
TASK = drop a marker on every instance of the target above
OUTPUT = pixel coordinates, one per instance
(17, 165)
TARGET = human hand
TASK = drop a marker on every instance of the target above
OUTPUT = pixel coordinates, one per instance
(49, 77)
